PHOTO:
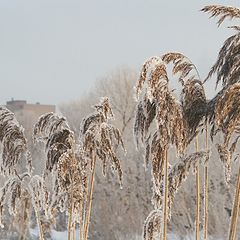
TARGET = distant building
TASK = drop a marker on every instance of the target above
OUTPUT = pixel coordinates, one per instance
(21, 107)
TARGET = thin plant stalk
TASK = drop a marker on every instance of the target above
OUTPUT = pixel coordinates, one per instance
(235, 211)
(69, 225)
(70, 218)
(87, 223)
(26, 219)
(80, 220)
(197, 193)
(41, 237)
(206, 190)
(84, 215)
(165, 216)
(74, 231)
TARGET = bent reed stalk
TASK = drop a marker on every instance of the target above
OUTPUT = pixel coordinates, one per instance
(90, 199)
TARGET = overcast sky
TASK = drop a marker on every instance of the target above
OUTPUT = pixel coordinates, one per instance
(52, 51)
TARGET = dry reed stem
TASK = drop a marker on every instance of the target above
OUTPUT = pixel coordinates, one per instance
(74, 230)
(197, 193)
(80, 220)
(69, 226)
(165, 217)
(70, 217)
(90, 199)
(41, 236)
(235, 211)
(24, 218)
(206, 190)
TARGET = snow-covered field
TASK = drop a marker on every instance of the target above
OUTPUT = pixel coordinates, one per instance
(55, 235)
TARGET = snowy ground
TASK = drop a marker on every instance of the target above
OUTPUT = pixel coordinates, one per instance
(54, 234)
(63, 236)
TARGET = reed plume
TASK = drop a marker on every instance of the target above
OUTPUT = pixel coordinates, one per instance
(152, 225)
(68, 164)
(100, 140)
(13, 141)
(235, 211)
(223, 12)
(227, 64)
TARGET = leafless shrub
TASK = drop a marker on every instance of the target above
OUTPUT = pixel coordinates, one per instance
(54, 131)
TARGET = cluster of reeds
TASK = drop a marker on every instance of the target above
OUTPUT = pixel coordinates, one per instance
(161, 121)
(100, 140)
(225, 116)
(19, 189)
(70, 166)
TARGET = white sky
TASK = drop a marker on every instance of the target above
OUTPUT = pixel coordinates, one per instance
(52, 51)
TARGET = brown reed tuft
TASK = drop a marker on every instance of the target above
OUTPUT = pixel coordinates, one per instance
(48, 124)
(13, 141)
(181, 65)
(152, 225)
(100, 138)
(54, 131)
(179, 172)
(227, 120)
(222, 12)
(72, 174)
(227, 64)
(194, 105)
(100, 141)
